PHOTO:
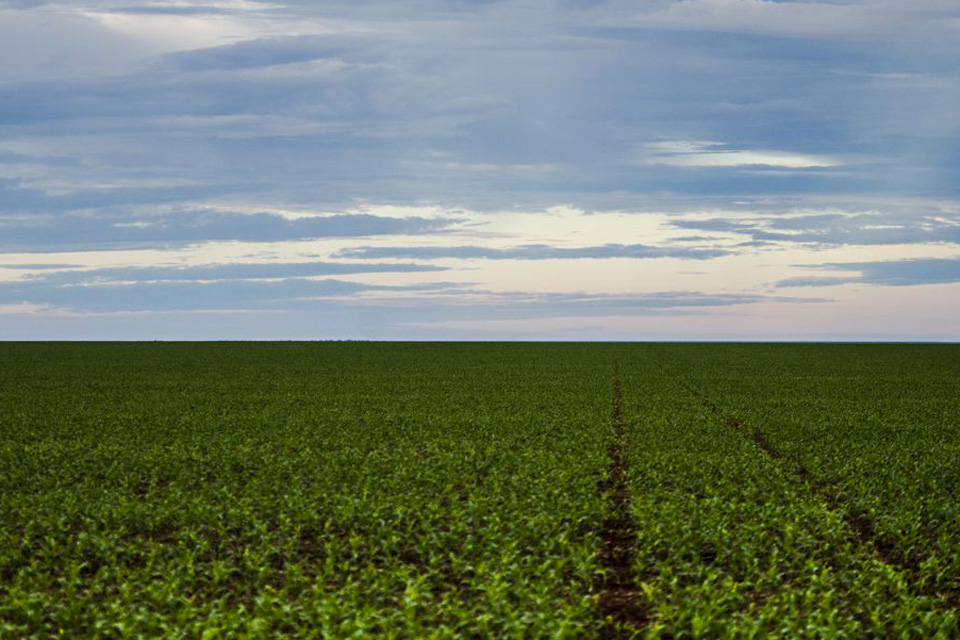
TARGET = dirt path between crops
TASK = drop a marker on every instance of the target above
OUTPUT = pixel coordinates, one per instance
(861, 526)
(619, 600)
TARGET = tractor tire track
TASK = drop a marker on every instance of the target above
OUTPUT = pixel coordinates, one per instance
(861, 526)
(621, 611)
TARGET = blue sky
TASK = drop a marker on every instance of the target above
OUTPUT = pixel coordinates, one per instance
(668, 169)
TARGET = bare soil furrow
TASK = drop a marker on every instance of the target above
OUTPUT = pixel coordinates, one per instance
(621, 610)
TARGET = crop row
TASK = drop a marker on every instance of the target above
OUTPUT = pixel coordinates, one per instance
(316, 491)
(442, 491)
(876, 429)
(733, 545)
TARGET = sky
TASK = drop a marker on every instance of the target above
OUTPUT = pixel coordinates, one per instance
(480, 170)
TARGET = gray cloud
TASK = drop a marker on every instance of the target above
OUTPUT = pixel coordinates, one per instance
(40, 266)
(119, 230)
(524, 305)
(534, 252)
(425, 312)
(418, 303)
(713, 224)
(175, 10)
(803, 18)
(251, 54)
(170, 296)
(466, 80)
(835, 228)
(61, 44)
(230, 271)
(815, 281)
(17, 201)
(108, 140)
(897, 273)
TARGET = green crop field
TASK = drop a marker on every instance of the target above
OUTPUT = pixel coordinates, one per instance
(376, 490)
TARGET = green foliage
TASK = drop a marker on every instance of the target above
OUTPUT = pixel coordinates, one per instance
(442, 491)
(328, 491)
(876, 430)
(733, 542)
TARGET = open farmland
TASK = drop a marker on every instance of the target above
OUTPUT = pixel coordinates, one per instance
(367, 490)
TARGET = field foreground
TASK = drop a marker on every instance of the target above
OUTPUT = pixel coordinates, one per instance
(375, 490)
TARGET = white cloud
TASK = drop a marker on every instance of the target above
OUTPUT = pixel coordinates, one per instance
(166, 33)
(22, 308)
(695, 153)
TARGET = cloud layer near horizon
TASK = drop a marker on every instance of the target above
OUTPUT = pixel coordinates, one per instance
(384, 169)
